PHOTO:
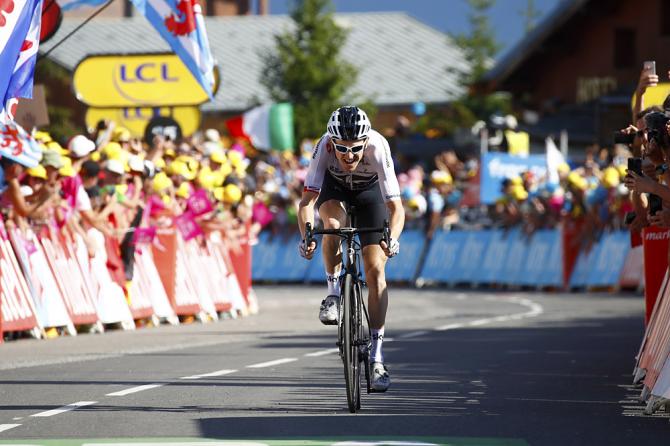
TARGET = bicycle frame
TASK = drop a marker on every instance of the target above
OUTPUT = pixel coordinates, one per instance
(352, 310)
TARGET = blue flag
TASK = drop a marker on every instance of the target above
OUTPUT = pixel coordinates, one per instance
(180, 23)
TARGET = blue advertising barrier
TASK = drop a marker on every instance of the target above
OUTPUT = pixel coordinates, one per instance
(403, 267)
(472, 256)
(442, 258)
(276, 259)
(458, 257)
(602, 265)
(515, 260)
(544, 261)
(316, 271)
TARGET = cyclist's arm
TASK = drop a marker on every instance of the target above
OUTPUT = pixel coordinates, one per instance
(313, 181)
(397, 214)
(389, 185)
(306, 210)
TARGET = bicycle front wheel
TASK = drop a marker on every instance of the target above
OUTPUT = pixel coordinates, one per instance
(350, 347)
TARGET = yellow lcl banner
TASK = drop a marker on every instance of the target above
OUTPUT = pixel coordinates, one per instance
(136, 80)
(136, 119)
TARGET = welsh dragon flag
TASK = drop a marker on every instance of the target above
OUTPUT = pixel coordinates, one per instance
(267, 127)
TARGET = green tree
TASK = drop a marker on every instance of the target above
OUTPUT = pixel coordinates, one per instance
(530, 15)
(306, 68)
(479, 45)
(480, 48)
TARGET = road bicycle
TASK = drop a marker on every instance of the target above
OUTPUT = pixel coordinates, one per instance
(353, 334)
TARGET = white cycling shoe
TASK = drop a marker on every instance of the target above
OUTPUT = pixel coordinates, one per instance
(329, 310)
(379, 377)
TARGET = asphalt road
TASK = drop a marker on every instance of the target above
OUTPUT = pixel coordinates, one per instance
(468, 368)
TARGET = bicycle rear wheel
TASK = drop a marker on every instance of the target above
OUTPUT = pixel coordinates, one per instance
(351, 353)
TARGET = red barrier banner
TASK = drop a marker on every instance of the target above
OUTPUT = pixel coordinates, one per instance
(212, 286)
(150, 283)
(174, 273)
(16, 306)
(240, 255)
(570, 231)
(65, 268)
(49, 303)
(139, 299)
(111, 300)
(655, 241)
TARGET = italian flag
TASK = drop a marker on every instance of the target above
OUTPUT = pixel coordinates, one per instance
(267, 127)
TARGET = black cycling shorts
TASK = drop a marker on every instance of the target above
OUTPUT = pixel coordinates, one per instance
(370, 211)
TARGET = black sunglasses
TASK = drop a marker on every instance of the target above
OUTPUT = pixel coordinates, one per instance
(344, 149)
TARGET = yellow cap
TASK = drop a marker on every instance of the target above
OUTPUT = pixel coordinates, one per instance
(218, 157)
(37, 172)
(207, 180)
(42, 137)
(53, 145)
(184, 190)
(121, 134)
(611, 177)
(161, 182)
(235, 158)
(232, 194)
(95, 156)
(180, 168)
(218, 193)
(441, 177)
(578, 181)
(563, 168)
(67, 170)
(516, 181)
(113, 151)
(622, 169)
(519, 193)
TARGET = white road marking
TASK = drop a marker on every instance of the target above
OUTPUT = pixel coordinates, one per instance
(535, 310)
(17, 418)
(271, 363)
(322, 352)
(449, 327)
(413, 334)
(6, 427)
(135, 390)
(60, 410)
(210, 375)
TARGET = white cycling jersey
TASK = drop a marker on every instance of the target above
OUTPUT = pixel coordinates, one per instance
(375, 166)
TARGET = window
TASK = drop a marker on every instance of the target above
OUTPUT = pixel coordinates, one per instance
(624, 48)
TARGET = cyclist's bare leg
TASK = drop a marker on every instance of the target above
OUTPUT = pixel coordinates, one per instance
(334, 217)
(374, 262)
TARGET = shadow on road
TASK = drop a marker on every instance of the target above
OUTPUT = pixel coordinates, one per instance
(550, 384)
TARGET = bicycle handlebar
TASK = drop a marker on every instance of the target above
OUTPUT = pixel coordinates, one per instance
(345, 232)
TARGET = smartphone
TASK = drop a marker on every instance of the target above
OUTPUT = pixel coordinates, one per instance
(649, 66)
(655, 204)
(635, 165)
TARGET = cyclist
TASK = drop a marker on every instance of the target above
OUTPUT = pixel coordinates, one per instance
(352, 163)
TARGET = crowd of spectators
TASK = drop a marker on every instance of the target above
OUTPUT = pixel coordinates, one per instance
(112, 181)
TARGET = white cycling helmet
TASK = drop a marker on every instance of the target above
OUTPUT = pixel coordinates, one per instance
(349, 124)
